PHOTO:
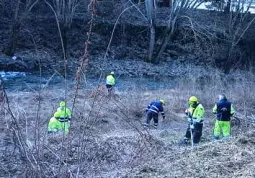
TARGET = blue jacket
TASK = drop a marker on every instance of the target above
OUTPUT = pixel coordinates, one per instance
(156, 107)
(224, 110)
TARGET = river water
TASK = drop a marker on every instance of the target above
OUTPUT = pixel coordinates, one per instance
(20, 81)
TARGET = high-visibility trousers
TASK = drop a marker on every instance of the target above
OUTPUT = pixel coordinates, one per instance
(55, 125)
(221, 126)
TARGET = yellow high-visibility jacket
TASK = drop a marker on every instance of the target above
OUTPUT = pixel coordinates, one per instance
(110, 80)
(63, 114)
(197, 113)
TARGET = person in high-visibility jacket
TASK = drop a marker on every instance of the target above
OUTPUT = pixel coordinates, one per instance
(152, 112)
(61, 119)
(195, 117)
(110, 82)
(224, 110)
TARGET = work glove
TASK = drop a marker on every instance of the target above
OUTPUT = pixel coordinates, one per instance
(186, 112)
(191, 126)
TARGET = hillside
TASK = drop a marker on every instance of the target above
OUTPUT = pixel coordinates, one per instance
(209, 53)
(127, 36)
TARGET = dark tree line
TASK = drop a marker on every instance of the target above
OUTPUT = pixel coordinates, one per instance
(179, 18)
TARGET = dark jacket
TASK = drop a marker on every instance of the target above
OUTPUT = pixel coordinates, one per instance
(156, 107)
(224, 110)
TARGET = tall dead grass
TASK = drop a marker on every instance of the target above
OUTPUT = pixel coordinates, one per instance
(227, 158)
(100, 122)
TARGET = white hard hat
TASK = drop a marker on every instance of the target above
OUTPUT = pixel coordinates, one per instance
(222, 97)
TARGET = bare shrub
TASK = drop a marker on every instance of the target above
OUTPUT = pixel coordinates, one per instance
(100, 91)
(229, 158)
(106, 138)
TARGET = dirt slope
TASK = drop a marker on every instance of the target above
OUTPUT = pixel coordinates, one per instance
(228, 158)
(107, 138)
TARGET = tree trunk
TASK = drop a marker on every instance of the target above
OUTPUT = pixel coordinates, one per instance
(151, 44)
(64, 40)
(15, 28)
(11, 47)
(170, 3)
(168, 34)
(162, 46)
(64, 37)
(227, 8)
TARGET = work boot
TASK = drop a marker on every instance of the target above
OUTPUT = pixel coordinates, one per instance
(145, 124)
(195, 144)
(185, 141)
(52, 131)
(225, 137)
(216, 137)
(155, 126)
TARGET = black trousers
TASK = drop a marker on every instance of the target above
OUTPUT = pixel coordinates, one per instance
(152, 115)
(196, 132)
(109, 87)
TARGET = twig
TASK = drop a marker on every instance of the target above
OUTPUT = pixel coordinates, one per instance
(48, 81)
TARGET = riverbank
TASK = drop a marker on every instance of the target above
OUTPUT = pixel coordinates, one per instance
(106, 136)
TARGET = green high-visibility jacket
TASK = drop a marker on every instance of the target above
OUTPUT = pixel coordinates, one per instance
(197, 113)
(110, 80)
(62, 112)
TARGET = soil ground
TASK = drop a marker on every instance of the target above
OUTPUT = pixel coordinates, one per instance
(107, 138)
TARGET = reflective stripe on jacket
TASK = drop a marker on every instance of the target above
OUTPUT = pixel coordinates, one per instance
(63, 114)
(156, 107)
(197, 113)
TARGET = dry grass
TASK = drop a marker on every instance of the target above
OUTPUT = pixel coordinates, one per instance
(227, 158)
(106, 138)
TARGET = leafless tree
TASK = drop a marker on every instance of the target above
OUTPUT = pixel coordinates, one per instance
(65, 11)
(151, 13)
(19, 10)
(176, 10)
(238, 24)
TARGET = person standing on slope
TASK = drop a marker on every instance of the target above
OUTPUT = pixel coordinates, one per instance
(152, 112)
(110, 82)
(223, 110)
(195, 116)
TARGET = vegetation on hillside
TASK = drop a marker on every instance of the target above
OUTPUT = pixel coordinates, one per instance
(130, 30)
(75, 38)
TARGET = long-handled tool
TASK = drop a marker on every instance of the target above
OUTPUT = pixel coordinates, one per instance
(191, 126)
